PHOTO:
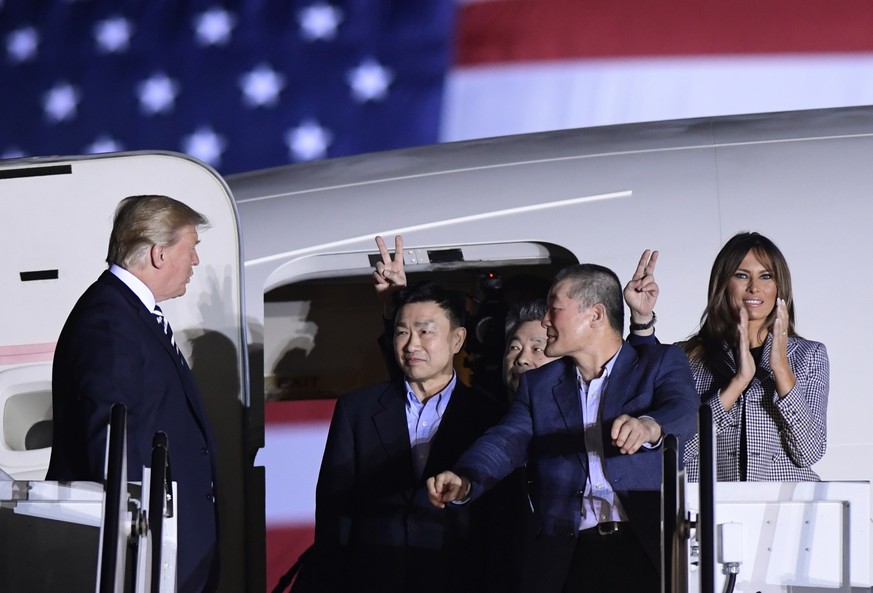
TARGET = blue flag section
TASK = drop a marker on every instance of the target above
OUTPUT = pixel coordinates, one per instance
(241, 85)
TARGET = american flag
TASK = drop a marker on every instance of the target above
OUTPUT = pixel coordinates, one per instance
(248, 84)
(240, 84)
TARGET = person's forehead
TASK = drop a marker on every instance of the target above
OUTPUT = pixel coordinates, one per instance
(188, 233)
(559, 289)
(753, 259)
(529, 330)
(423, 312)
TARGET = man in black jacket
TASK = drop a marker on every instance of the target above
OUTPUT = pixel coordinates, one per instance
(375, 529)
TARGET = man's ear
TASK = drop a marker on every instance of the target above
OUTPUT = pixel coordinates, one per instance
(599, 318)
(156, 256)
(459, 334)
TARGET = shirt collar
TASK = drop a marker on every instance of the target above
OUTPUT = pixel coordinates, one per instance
(441, 401)
(136, 285)
(607, 368)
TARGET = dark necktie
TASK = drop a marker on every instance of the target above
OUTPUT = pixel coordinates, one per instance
(168, 331)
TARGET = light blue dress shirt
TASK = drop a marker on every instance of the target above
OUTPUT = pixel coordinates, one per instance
(423, 419)
(599, 502)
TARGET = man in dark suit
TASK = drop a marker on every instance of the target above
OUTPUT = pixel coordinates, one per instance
(115, 347)
(375, 529)
(588, 426)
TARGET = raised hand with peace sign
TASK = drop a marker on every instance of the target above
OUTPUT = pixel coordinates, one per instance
(641, 292)
(390, 275)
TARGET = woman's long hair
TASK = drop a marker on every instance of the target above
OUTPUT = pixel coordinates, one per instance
(719, 320)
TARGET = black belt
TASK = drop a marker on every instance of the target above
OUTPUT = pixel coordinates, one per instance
(605, 528)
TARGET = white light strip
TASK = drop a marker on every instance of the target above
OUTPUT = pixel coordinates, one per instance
(439, 224)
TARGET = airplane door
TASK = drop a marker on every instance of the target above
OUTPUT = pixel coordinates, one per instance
(56, 218)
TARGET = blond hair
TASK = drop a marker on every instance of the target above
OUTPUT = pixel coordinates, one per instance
(143, 221)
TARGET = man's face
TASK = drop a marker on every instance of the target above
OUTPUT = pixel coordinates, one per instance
(425, 344)
(525, 351)
(178, 261)
(565, 322)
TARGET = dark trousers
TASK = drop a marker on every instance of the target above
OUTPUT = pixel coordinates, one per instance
(591, 563)
(613, 562)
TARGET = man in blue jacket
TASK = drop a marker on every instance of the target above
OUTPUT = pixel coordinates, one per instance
(589, 427)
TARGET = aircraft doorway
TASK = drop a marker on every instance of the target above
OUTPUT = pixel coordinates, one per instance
(320, 335)
(322, 319)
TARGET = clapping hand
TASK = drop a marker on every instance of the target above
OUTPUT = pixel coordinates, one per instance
(782, 372)
(745, 362)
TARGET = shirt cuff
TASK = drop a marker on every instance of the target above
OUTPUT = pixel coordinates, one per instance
(660, 441)
(466, 499)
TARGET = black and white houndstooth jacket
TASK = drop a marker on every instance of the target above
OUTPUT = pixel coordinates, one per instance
(786, 436)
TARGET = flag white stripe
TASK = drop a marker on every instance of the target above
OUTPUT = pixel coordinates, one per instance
(290, 487)
(487, 101)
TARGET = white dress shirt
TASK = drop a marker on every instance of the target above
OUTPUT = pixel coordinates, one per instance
(599, 502)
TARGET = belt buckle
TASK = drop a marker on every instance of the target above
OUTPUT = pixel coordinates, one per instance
(607, 528)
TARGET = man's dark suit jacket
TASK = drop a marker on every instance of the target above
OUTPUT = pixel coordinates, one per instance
(375, 529)
(544, 428)
(112, 349)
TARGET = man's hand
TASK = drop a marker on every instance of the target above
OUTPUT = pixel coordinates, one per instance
(389, 276)
(641, 293)
(446, 487)
(629, 433)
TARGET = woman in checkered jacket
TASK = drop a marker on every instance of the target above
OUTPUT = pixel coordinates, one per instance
(767, 386)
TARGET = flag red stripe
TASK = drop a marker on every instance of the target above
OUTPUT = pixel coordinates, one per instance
(284, 546)
(537, 30)
(295, 412)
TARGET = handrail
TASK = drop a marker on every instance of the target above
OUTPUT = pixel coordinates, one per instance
(706, 515)
(160, 503)
(110, 571)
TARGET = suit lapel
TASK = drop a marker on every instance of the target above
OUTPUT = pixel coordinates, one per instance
(389, 420)
(566, 395)
(154, 329)
(189, 386)
(623, 375)
(453, 436)
(724, 367)
(144, 315)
